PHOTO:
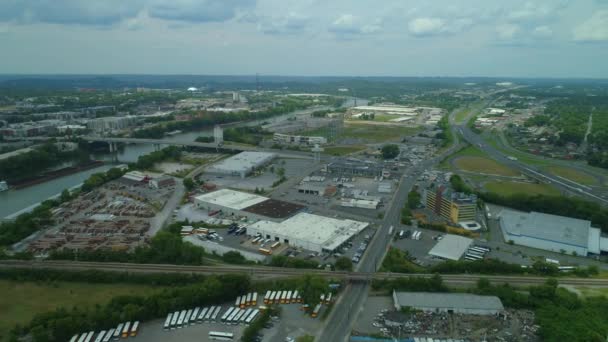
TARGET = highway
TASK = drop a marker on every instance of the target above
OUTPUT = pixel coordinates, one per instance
(531, 171)
(339, 323)
(265, 272)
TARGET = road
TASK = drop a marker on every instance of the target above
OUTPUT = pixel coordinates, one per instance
(339, 323)
(266, 272)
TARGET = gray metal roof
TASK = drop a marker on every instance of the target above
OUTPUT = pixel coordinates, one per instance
(547, 227)
(451, 247)
(433, 300)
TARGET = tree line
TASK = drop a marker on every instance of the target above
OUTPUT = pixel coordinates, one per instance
(30, 164)
(63, 323)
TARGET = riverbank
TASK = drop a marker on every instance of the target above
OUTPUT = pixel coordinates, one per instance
(50, 175)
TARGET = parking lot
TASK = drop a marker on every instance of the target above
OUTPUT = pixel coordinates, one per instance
(153, 331)
(293, 322)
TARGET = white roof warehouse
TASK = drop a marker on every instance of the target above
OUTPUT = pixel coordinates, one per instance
(308, 231)
(551, 232)
(241, 164)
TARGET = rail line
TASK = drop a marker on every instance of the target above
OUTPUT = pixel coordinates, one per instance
(287, 272)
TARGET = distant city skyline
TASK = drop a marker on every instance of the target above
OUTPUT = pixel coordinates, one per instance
(452, 38)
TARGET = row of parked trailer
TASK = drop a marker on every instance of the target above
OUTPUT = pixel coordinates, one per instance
(250, 299)
(476, 253)
(184, 318)
(123, 330)
(282, 297)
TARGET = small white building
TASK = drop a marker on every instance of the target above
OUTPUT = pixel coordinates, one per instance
(451, 247)
(308, 231)
(242, 164)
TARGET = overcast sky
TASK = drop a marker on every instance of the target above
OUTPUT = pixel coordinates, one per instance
(553, 38)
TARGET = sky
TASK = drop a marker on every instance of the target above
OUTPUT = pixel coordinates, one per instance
(494, 38)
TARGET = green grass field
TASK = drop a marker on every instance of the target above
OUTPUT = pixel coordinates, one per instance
(462, 115)
(343, 150)
(510, 188)
(370, 133)
(20, 301)
(377, 133)
(483, 165)
(573, 175)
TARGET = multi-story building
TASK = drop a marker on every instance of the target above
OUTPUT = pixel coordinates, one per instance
(453, 206)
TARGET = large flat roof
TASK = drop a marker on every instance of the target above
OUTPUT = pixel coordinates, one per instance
(547, 227)
(235, 200)
(243, 161)
(451, 247)
(275, 208)
(320, 230)
(432, 300)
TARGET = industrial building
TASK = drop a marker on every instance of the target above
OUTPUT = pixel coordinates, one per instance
(355, 167)
(287, 139)
(359, 203)
(453, 206)
(551, 232)
(30, 129)
(308, 231)
(451, 247)
(242, 164)
(462, 303)
(252, 206)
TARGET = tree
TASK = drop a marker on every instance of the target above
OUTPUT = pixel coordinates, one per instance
(413, 199)
(281, 172)
(390, 151)
(344, 264)
(189, 183)
(311, 289)
(65, 196)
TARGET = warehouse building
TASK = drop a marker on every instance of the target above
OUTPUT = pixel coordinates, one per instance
(308, 231)
(452, 206)
(551, 232)
(252, 206)
(288, 139)
(355, 167)
(242, 164)
(462, 303)
(451, 247)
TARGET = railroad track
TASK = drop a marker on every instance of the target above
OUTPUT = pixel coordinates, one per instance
(453, 279)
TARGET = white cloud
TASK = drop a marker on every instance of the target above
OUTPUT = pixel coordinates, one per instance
(532, 11)
(429, 26)
(508, 31)
(426, 26)
(288, 24)
(348, 25)
(542, 32)
(594, 28)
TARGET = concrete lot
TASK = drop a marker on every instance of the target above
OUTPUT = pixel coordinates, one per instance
(367, 313)
(153, 332)
(293, 323)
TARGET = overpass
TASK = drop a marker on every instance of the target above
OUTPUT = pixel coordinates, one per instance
(276, 272)
(229, 147)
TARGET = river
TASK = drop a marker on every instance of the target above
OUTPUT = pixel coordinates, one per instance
(13, 201)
